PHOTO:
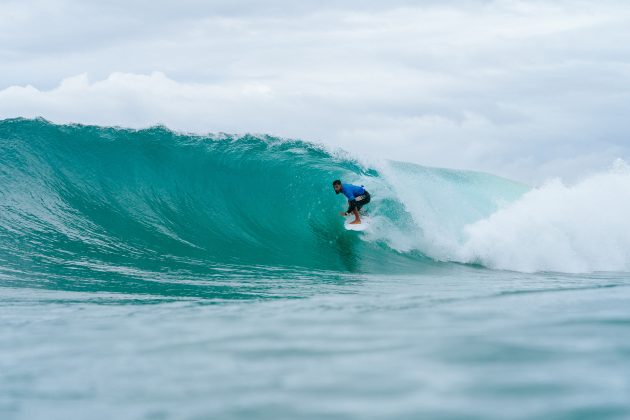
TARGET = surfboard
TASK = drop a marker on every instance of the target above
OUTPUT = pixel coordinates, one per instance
(365, 222)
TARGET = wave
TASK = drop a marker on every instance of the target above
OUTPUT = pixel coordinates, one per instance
(106, 199)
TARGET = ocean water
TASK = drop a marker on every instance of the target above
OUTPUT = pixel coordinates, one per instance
(153, 275)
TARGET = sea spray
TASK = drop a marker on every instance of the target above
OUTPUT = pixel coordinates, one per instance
(578, 228)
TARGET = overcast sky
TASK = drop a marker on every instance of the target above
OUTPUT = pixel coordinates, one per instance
(524, 89)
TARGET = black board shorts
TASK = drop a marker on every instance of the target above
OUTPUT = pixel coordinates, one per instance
(359, 202)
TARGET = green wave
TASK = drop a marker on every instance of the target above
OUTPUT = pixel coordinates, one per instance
(78, 200)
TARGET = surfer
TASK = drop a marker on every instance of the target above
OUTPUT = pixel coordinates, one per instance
(357, 198)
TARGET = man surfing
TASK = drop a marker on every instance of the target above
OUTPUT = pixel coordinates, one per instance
(357, 198)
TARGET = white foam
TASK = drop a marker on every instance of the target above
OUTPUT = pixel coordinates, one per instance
(477, 218)
(579, 228)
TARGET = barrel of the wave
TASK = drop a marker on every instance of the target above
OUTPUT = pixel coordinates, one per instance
(135, 201)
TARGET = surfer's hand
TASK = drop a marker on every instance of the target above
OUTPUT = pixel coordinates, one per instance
(342, 213)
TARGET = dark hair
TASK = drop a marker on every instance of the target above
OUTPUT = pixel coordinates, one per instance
(336, 182)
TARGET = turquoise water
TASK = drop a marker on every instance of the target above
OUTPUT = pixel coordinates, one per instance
(150, 274)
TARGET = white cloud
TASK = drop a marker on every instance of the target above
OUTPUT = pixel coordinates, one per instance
(524, 89)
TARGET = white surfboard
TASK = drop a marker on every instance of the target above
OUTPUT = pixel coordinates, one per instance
(365, 222)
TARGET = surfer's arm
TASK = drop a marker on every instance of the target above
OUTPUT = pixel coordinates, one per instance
(345, 213)
(351, 204)
(349, 194)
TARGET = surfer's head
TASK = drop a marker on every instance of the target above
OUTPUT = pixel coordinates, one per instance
(337, 186)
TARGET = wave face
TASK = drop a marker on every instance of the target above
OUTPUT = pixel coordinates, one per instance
(82, 199)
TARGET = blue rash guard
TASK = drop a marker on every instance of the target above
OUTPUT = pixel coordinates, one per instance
(355, 193)
(352, 191)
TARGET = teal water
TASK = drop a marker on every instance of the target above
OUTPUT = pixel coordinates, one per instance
(150, 274)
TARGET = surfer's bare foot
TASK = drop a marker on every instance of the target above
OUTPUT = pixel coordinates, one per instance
(356, 222)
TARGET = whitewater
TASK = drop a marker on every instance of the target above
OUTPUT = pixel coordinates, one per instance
(225, 256)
